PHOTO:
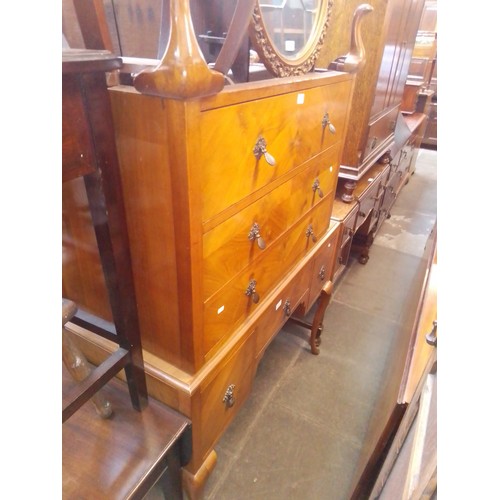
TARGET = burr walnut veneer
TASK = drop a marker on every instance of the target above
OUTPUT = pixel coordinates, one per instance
(228, 201)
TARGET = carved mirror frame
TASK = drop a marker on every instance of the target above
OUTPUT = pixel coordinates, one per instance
(275, 61)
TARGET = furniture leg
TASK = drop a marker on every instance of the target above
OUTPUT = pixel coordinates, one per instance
(317, 324)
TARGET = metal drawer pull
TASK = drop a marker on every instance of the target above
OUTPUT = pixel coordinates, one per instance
(326, 122)
(361, 214)
(315, 187)
(254, 234)
(251, 291)
(228, 398)
(287, 308)
(322, 273)
(310, 232)
(260, 149)
(431, 337)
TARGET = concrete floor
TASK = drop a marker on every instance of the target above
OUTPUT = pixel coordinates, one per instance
(300, 433)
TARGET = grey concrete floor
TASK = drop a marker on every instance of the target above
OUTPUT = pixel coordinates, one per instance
(300, 433)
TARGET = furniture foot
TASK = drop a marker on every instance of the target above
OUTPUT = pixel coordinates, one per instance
(194, 484)
(363, 258)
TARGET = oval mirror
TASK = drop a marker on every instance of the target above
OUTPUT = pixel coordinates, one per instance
(288, 34)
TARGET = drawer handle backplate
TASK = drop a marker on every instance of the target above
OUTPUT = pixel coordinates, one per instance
(327, 123)
(287, 307)
(315, 187)
(310, 233)
(254, 234)
(229, 398)
(322, 273)
(251, 291)
(260, 149)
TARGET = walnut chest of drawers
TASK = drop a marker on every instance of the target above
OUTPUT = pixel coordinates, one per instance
(228, 201)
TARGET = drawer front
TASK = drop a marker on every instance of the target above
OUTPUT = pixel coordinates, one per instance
(222, 396)
(237, 242)
(237, 300)
(390, 193)
(348, 226)
(277, 314)
(291, 125)
(379, 131)
(322, 269)
(368, 200)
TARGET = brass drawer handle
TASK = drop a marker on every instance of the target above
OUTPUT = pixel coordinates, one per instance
(326, 122)
(229, 398)
(348, 232)
(431, 337)
(310, 233)
(254, 234)
(322, 273)
(361, 214)
(287, 308)
(315, 187)
(260, 149)
(251, 291)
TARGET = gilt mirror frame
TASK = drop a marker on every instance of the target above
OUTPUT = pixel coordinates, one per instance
(278, 63)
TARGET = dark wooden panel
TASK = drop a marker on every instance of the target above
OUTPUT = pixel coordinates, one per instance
(116, 457)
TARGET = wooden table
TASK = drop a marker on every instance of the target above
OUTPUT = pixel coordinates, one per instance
(124, 456)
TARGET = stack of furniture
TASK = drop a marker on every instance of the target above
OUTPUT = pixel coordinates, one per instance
(242, 204)
(228, 195)
(383, 144)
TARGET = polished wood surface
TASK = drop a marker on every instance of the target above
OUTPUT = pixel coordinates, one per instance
(123, 456)
(86, 106)
(390, 408)
(388, 34)
(183, 71)
(180, 235)
(201, 343)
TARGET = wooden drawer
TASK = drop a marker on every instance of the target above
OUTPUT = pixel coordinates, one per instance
(230, 306)
(368, 200)
(348, 226)
(390, 193)
(283, 305)
(322, 269)
(227, 247)
(237, 370)
(291, 125)
(379, 131)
